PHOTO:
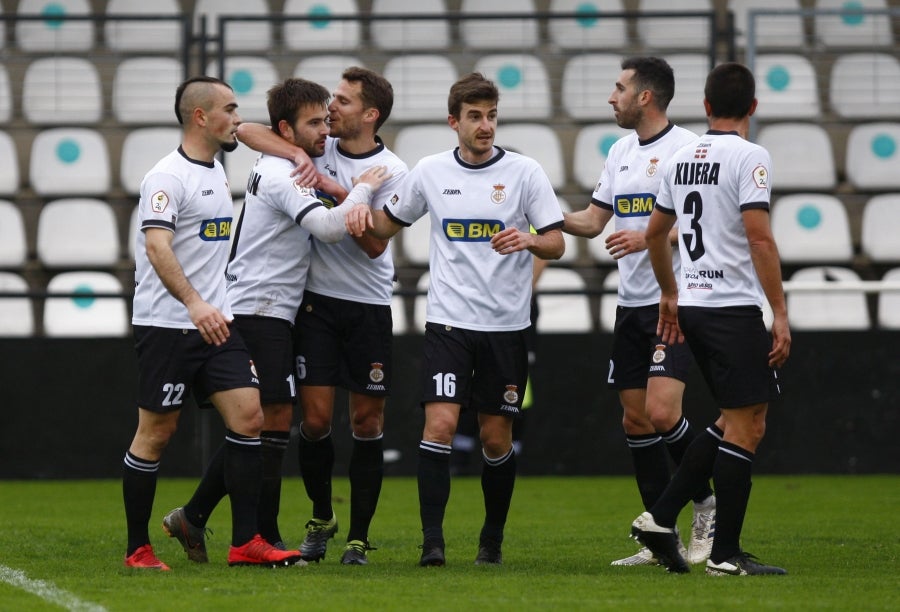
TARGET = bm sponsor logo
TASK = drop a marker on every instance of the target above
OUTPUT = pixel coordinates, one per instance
(215, 229)
(471, 230)
(635, 204)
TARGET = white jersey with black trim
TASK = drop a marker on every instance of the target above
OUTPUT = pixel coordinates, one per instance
(707, 186)
(192, 200)
(270, 251)
(471, 285)
(343, 270)
(628, 186)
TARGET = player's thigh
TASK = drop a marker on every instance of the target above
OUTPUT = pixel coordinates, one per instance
(270, 343)
(448, 362)
(501, 372)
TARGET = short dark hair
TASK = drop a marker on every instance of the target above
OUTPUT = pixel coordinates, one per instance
(285, 99)
(654, 74)
(473, 87)
(375, 91)
(179, 93)
(730, 90)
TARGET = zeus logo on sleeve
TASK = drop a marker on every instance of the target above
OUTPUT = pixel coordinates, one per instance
(215, 229)
(471, 230)
(634, 204)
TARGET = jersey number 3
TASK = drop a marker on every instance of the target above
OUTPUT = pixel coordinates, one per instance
(693, 240)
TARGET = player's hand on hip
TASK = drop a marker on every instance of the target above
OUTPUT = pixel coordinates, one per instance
(210, 322)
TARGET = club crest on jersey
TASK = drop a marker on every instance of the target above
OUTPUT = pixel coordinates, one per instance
(498, 196)
(653, 167)
(215, 229)
(659, 354)
(159, 201)
(761, 176)
(394, 199)
(376, 374)
(304, 191)
(511, 396)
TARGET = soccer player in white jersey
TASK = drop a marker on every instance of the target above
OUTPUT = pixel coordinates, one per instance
(649, 375)
(717, 191)
(266, 277)
(344, 329)
(481, 200)
(181, 326)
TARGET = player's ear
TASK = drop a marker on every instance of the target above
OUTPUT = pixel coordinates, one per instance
(753, 107)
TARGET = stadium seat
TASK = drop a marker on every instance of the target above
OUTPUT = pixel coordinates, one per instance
(873, 156)
(587, 82)
(54, 33)
(690, 78)
(143, 36)
(77, 232)
(523, 83)
(143, 90)
(13, 242)
(321, 33)
(570, 255)
(674, 32)
(410, 34)
(239, 36)
(592, 145)
(325, 69)
(416, 240)
(250, 77)
(889, 302)
(587, 31)
(421, 84)
(16, 314)
(85, 316)
(563, 313)
(811, 228)
(880, 221)
(801, 155)
(69, 161)
(772, 31)
(141, 149)
(398, 312)
(865, 86)
(413, 142)
(480, 33)
(538, 141)
(827, 309)
(237, 168)
(786, 87)
(9, 169)
(420, 305)
(133, 229)
(6, 97)
(853, 27)
(609, 301)
(62, 90)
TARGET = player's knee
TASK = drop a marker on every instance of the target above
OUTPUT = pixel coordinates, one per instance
(636, 423)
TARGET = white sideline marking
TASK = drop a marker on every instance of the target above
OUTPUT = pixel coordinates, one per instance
(46, 591)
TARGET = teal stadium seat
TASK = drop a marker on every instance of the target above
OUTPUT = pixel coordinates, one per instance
(786, 87)
(801, 155)
(53, 34)
(523, 83)
(853, 28)
(811, 228)
(250, 77)
(592, 145)
(410, 34)
(873, 156)
(322, 33)
(587, 31)
(85, 316)
(69, 161)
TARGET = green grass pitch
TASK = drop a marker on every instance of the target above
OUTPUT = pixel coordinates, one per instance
(62, 544)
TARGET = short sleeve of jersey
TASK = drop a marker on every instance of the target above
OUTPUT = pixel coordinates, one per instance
(285, 195)
(391, 186)
(408, 203)
(161, 193)
(754, 184)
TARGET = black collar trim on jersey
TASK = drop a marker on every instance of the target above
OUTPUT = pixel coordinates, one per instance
(722, 133)
(379, 147)
(653, 139)
(211, 164)
(491, 161)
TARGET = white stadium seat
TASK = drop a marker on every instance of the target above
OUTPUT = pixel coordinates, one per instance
(62, 90)
(420, 304)
(144, 90)
(523, 83)
(674, 32)
(52, 33)
(414, 142)
(801, 154)
(239, 36)
(865, 86)
(410, 34)
(781, 31)
(16, 314)
(416, 240)
(69, 161)
(250, 77)
(421, 84)
(13, 243)
(592, 146)
(321, 33)
(77, 233)
(587, 82)
(9, 169)
(811, 227)
(537, 141)
(85, 316)
(786, 87)
(833, 310)
(325, 69)
(570, 255)
(588, 31)
(476, 33)
(563, 313)
(880, 221)
(690, 78)
(609, 301)
(889, 302)
(853, 27)
(873, 156)
(6, 98)
(141, 149)
(143, 36)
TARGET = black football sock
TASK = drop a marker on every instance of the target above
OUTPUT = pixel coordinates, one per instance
(677, 441)
(651, 466)
(209, 491)
(138, 490)
(316, 464)
(366, 475)
(731, 478)
(434, 489)
(274, 443)
(243, 480)
(498, 479)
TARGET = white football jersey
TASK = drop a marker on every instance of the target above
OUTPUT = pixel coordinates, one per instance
(707, 186)
(628, 186)
(191, 199)
(342, 269)
(471, 285)
(270, 251)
